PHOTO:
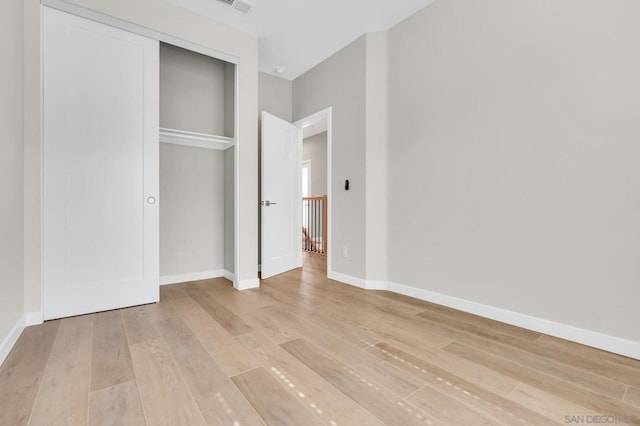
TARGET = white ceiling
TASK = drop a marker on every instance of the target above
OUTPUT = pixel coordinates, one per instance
(299, 34)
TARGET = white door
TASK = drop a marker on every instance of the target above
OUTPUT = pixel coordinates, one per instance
(100, 167)
(281, 196)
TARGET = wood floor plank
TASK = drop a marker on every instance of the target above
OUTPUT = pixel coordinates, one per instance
(604, 371)
(237, 302)
(219, 400)
(384, 326)
(305, 349)
(227, 319)
(330, 290)
(633, 397)
(387, 406)
(598, 383)
(448, 410)
(164, 396)
(22, 372)
(601, 362)
(477, 398)
(231, 356)
(387, 375)
(305, 385)
(64, 393)
(138, 325)
(172, 292)
(549, 384)
(477, 328)
(272, 401)
(116, 406)
(475, 373)
(583, 351)
(555, 408)
(270, 327)
(290, 294)
(351, 331)
(435, 311)
(111, 361)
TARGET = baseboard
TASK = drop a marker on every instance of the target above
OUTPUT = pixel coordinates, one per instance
(195, 276)
(247, 284)
(347, 279)
(33, 318)
(229, 275)
(11, 339)
(357, 282)
(594, 339)
(376, 285)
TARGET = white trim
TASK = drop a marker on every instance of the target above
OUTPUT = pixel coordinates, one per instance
(194, 276)
(236, 181)
(33, 318)
(229, 275)
(247, 284)
(357, 282)
(575, 334)
(11, 339)
(347, 279)
(328, 113)
(376, 285)
(591, 338)
(193, 139)
(74, 9)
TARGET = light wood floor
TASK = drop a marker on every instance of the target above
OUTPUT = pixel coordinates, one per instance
(304, 350)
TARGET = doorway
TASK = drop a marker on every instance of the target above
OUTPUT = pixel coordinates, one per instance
(315, 172)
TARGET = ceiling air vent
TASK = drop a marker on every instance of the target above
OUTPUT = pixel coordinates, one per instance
(242, 6)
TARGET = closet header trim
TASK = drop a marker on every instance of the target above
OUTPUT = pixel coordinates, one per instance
(74, 9)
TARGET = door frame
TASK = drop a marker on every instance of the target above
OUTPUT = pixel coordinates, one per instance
(327, 114)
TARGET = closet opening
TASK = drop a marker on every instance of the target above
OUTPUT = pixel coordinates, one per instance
(197, 177)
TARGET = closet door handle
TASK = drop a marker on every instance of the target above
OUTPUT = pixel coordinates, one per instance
(268, 203)
(151, 200)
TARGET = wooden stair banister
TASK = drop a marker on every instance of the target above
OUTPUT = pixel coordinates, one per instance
(310, 244)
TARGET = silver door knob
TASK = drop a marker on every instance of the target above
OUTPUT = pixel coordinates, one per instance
(151, 200)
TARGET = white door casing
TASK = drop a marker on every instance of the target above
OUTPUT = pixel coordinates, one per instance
(100, 166)
(281, 196)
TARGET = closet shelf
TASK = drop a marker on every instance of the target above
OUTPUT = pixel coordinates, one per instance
(199, 140)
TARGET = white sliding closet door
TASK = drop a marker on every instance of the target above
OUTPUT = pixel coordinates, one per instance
(100, 167)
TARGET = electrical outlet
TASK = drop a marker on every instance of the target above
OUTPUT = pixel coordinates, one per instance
(345, 251)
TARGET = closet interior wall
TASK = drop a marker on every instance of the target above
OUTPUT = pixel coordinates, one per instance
(196, 183)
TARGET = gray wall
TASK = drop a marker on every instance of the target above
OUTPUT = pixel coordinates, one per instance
(192, 210)
(339, 82)
(275, 96)
(192, 91)
(314, 149)
(193, 181)
(229, 99)
(377, 158)
(514, 153)
(11, 166)
(32, 159)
